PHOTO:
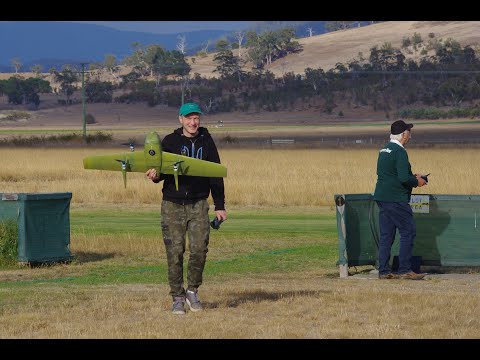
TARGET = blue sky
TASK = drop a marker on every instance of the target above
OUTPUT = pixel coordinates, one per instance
(172, 27)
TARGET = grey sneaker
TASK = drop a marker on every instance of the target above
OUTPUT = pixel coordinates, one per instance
(178, 305)
(193, 301)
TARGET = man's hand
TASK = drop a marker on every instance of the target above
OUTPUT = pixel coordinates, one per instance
(152, 174)
(221, 214)
(421, 181)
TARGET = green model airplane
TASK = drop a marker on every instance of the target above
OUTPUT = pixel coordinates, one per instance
(153, 157)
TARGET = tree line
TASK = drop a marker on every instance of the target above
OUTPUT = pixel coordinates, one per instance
(443, 73)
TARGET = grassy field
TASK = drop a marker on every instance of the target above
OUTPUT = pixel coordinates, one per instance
(271, 271)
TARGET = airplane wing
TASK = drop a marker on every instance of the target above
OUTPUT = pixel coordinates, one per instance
(135, 162)
(191, 166)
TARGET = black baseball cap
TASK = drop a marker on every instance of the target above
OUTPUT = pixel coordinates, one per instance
(399, 127)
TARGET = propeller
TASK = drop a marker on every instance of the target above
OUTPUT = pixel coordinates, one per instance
(124, 170)
(131, 144)
(175, 172)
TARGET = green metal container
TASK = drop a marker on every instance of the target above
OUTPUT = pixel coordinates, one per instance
(448, 230)
(43, 221)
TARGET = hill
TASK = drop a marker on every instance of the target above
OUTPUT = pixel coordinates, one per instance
(53, 43)
(325, 50)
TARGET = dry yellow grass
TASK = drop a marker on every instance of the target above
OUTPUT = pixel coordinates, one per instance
(266, 177)
(254, 307)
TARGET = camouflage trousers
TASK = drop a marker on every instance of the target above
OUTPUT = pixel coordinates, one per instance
(177, 221)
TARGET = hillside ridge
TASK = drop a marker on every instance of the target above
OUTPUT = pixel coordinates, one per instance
(326, 50)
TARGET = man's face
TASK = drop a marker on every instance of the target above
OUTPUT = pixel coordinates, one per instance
(408, 136)
(190, 124)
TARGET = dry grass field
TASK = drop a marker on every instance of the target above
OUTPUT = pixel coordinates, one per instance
(256, 177)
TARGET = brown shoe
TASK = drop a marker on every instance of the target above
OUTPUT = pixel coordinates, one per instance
(411, 276)
(388, 276)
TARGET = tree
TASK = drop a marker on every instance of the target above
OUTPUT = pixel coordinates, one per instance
(310, 31)
(338, 25)
(222, 45)
(205, 48)
(99, 91)
(137, 59)
(110, 64)
(67, 79)
(16, 63)
(32, 87)
(154, 55)
(229, 65)
(182, 44)
(37, 70)
(239, 35)
(271, 45)
(26, 91)
(13, 89)
(416, 40)
(185, 79)
(255, 51)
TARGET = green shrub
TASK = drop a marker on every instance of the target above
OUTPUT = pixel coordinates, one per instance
(8, 242)
(17, 115)
(229, 139)
(90, 119)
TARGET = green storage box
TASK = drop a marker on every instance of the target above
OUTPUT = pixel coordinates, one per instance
(448, 230)
(43, 221)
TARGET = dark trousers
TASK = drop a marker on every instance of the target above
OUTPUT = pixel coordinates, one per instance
(393, 216)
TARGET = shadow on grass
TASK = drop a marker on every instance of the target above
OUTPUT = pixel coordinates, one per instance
(85, 257)
(451, 269)
(258, 296)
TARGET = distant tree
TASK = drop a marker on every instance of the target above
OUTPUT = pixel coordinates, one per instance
(16, 63)
(99, 91)
(338, 25)
(182, 44)
(37, 69)
(67, 79)
(13, 89)
(110, 64)
(255, 50)
(222, 45)
(164, 63)
(32, 87)
(239, 35)
(154, 55)
(137, 59)
(416, 40)
(406, 42)
(310, 31)
(129, 80)
(314, 77)
(205, 47)
(185, 78)
(228, 65)
(20, 91)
